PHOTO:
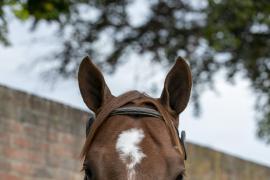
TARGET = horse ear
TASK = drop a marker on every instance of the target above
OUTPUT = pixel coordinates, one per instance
(93, 87)
(177, 86)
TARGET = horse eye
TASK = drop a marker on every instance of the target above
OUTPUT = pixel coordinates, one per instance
(180, 177)
(88, 174)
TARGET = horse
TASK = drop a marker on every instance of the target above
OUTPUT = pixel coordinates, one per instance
(134, 136)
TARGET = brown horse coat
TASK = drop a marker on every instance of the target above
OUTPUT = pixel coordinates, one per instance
(129, 147)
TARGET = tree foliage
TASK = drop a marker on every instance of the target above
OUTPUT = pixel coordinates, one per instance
(213, 35)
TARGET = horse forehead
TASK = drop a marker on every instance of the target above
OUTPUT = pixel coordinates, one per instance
(128, 146)
(133, 150)
(135, 142)
(128, 142)
(129, 138)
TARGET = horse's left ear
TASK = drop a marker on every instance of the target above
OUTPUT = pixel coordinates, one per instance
(177, 86)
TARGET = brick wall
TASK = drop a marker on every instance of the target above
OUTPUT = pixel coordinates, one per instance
(41, 139)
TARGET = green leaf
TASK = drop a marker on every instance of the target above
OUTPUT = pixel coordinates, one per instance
(22, 14)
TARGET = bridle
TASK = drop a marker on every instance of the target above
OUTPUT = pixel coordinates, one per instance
(139, 111)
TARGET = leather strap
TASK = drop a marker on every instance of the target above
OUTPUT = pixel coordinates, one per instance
(136, 111)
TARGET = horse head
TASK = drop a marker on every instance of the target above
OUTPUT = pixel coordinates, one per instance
(134, 136)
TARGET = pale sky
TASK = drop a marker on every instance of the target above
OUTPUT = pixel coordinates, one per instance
(227, 123)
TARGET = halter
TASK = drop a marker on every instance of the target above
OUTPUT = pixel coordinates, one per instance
(134, 111)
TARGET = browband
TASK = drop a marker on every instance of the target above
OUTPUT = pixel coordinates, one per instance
(136, 111)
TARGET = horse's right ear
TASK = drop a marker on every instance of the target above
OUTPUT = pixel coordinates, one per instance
(93, 87)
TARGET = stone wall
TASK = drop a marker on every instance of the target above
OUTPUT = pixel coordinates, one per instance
(41, 139)
(208, 164)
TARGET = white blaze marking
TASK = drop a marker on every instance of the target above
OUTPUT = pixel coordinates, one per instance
(127, 146)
